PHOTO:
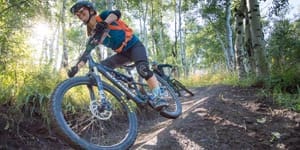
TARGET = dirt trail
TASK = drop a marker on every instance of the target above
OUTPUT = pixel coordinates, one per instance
(217, 117)
(225, 117)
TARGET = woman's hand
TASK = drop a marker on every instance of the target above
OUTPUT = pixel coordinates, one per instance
(75, 69)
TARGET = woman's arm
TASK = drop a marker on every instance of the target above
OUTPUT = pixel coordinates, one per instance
(110, 16)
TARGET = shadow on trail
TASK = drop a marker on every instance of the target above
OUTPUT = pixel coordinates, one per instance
(225, 117)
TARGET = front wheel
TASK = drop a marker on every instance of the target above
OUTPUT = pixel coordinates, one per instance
(79, 118)
(174, 109)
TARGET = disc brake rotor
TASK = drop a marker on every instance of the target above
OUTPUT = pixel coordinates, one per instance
(100, 111)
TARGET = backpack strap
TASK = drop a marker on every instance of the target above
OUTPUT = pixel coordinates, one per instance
(120, 26)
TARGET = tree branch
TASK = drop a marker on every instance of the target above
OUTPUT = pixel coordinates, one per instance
(16, 5)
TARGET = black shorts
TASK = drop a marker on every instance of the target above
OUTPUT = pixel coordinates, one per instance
(135, 54)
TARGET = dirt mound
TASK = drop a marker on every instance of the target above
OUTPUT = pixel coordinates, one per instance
(26, 131)
(217, 117)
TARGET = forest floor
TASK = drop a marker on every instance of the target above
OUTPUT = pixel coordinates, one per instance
(217, 117)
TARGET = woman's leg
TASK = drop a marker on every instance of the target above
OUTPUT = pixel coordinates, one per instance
(115, 61)
(138, 54)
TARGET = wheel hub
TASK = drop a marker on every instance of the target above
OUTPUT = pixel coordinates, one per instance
(100, 111)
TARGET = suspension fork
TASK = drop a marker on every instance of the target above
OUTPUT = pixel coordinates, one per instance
(97, 77)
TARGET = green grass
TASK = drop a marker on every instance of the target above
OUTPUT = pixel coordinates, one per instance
(286, 99)
(274, 89)
(222, 77)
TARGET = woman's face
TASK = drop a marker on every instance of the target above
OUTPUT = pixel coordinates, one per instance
(83, 14)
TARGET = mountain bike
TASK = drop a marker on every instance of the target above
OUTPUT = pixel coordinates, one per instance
(98, 110)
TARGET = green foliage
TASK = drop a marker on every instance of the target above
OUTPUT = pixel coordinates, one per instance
(284, 51)
(210, 78)
(38, 85)
(204, 42)
(206, 45)
(288, 80)
(24, 82)
(287, 100)
(13, 62)
(76, 39)
(24, 85)
(284, 45)
(28, 88)
(14, 52)
(34, 94)
(279, 7)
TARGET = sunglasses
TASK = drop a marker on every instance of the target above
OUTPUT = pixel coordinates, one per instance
(80, 11)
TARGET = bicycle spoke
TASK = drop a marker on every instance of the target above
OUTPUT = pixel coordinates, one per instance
(79, 116)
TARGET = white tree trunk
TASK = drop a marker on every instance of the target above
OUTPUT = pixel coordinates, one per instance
(65, 50)
(222, 45)
(250, 65)
(143, 10)
(257, 37)
(182, 50)
(161, 40)
(175, 31)
(110, 4)
(230, 50)
(239, 40)
(57, 53)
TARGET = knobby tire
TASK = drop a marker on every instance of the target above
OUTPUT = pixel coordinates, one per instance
(181, 86)
(80, 134)
(175, 108)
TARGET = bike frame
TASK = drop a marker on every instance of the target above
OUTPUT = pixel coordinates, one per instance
(97, 69)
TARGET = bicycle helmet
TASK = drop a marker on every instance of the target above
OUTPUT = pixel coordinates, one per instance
(79, 4)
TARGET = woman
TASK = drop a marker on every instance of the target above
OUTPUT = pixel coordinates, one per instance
(127, 46)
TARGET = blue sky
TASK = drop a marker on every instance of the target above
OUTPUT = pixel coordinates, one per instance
(293, 4)
(296, 7)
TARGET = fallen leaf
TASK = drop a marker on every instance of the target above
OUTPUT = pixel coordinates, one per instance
(276, 134)
(261, 120)
(6, 126)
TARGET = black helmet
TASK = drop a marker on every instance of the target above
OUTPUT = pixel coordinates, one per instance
(81, 3)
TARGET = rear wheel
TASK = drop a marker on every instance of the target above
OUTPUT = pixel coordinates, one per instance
(86, 124)
(175, 88)
(174, 109)
(181, 86)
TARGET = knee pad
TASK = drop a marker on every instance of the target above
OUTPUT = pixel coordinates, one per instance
(143, 70)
